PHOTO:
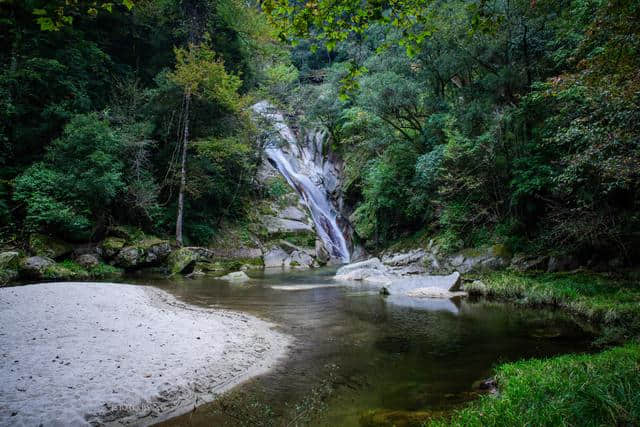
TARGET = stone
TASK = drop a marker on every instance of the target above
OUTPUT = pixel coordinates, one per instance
(275, 257)
(288, 247)
(47, 246)
(34, 267)
(428, 283)
(322, 255)
(477, 287)
(299, 259)
(10, 260)
(88, 261)
(182, 260)
(236, 276)
(371, 270)
(111, 246)
(148, 252)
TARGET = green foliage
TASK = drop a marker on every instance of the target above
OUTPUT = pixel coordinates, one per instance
(76, 182)
(585, 389)
(611, 300)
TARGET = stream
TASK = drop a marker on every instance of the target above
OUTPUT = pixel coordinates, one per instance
(358, 355)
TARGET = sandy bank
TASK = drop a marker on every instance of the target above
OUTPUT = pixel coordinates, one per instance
(79, 353)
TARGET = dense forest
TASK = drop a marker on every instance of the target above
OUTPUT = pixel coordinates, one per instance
(512, 122)
(465, 172)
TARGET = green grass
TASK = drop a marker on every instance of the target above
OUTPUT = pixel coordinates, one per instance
(614, 302)
(576, 390)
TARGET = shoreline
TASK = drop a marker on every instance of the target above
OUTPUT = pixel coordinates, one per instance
(115, 354)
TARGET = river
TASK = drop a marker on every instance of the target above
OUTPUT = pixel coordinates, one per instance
(358, 356)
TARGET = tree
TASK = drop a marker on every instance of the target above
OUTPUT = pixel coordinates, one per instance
(77, 181)
(200, 73)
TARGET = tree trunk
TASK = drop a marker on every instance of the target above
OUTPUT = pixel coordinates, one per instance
(183, 171)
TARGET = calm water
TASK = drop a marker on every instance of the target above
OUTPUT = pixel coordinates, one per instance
(357, 353)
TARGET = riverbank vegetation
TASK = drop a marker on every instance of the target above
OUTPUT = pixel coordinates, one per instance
(599, 389)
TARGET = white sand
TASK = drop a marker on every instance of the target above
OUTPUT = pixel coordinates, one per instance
(80, 353)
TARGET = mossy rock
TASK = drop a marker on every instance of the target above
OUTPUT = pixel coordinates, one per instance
(10, 260)
(65, 271)
(111, 246)
(143, 253)
(47, 246)
(182, 261)
(7, 275)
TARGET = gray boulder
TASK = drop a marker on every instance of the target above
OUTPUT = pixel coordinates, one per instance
(299, 259)
(371, 271)
(111, 246)
(275, 257)
(88, 261)
(35, 267)
(236, 277)
(182, 260)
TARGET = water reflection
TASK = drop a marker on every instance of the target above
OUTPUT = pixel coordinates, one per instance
(383, 354)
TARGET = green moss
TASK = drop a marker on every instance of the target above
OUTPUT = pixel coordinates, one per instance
(305, 240)
(42, 245)
(7, 275)
(126, 232)
(181, 259)
(577, 390)
(104, 270)
(66, 269)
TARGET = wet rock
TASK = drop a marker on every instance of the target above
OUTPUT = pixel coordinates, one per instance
(477, 287)
(47, 246)
(111, 246)
(423, 285)
(34, 267)
(236, 276)
(182, 260)
(88, 261)
(275, 257)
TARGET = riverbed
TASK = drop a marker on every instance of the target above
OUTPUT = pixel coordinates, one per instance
(358, 356)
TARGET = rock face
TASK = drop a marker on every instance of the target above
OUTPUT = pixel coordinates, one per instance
(275, 225)
(35, 267)
(431, 260)
(46, 246)
(236, 276)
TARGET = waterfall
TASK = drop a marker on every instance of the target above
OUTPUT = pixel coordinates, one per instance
(304, 172)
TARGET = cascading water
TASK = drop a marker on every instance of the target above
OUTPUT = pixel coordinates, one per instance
(300, 167)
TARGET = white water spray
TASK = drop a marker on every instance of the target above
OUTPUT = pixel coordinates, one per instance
(300, 167)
